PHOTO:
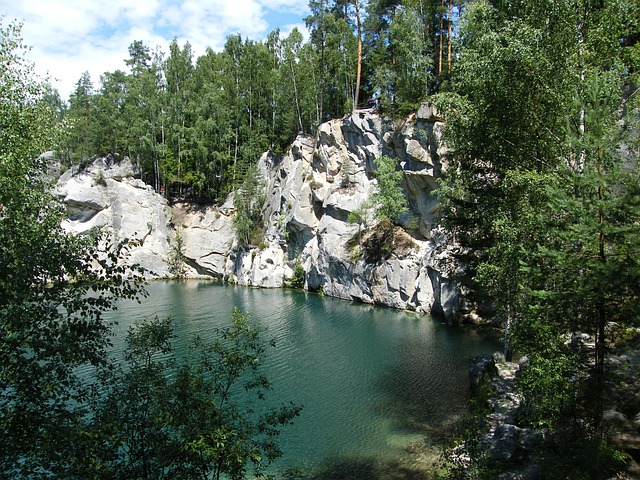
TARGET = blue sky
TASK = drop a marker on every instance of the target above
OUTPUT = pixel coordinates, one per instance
(69, 37)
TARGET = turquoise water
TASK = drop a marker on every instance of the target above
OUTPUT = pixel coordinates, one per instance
(372, 380)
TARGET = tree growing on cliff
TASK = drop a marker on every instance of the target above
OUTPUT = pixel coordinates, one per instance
(248, 202)
(389, 204)
(389, 195)
(54, 291)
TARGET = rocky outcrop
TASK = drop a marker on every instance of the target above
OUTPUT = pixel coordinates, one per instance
(504, 446)
(206, 236)
(505, 442)
(313, 190)
(106, 196)
(312, 193)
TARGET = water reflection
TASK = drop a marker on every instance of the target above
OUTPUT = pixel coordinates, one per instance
(373, 381)
(362, 468)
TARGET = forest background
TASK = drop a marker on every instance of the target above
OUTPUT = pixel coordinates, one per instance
(541, 187)
(197, 124)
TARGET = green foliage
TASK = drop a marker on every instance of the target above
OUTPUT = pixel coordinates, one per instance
(378, 243)
(541, 190)
(248, 202)
(574, 457)
(133, 414)
(193, 125)
(54, 290)
(81, 110)
(176, 255)
(550, 400)
(390, 197)
(334, 45)
(361, 215)
(186, 419)
(99, 179)
(298, 277)
(401, 54)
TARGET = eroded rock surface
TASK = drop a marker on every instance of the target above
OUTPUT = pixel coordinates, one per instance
(311, 194)
(107, 196)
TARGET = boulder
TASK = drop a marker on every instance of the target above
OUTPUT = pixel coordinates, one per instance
(264, 268)
(482, 369)
(507, 445)
(428, 112)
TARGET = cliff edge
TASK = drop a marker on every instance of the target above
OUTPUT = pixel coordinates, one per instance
(309, 194)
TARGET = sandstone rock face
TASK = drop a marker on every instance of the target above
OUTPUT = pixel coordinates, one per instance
(311, 192)
(106, 196)
(207, 237)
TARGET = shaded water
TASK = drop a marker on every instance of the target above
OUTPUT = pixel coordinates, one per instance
(372, 380)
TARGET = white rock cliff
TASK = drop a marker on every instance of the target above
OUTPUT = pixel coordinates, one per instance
(310, 192)
(106, 196)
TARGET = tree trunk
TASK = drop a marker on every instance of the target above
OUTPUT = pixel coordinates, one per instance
(600, 353)
(507, 334)
(441, 40)
(274, 96)
(295, 95)
(450, 50)
(359, 73)
(323, 65)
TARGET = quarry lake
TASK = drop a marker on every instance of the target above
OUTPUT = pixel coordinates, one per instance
(374, 382)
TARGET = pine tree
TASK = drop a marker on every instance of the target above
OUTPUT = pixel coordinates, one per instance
(540, 185)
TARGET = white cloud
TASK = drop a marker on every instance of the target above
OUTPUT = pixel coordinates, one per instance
(138, 10)
(298, 7)
(72, 36)
(285, 30)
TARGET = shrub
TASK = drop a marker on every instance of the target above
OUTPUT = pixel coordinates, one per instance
(99, 179)
(298, 277)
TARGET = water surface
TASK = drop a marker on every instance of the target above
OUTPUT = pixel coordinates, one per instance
(373, 381)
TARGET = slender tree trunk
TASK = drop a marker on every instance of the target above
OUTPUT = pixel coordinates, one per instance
(441, 40)
(600, 353)
(583, 127)
(273, 117)
(235, 156)
(250, 86)
(323, 65)
(318, 101)
(250, 113)
(274, 94)
(507, 334)
(450, 49)
(156, 164)
(356, 96)
(347, 87)
(180, 158)
(295, 94)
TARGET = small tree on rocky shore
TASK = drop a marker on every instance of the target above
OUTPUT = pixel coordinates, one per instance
(176, 255)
